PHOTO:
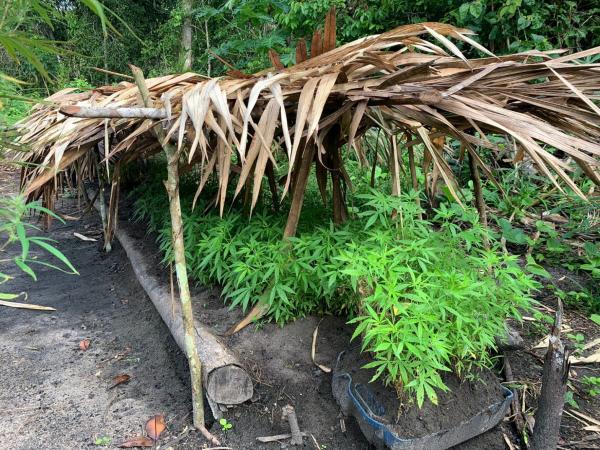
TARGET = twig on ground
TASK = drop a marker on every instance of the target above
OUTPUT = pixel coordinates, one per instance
(317, 446)
(26, 306)
(313, 350)
(288, 412)
(277, 437)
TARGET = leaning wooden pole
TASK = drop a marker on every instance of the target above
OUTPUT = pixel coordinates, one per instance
(172, 186)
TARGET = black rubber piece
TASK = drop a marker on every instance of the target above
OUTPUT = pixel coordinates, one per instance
(358, 401)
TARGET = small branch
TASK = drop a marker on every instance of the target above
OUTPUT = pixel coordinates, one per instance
(288, 412)
(172, 187)
(277, 437)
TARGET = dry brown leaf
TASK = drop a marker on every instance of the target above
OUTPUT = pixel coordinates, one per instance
(330, 31)
(84, 238)
(585, 417)
(140, 441)
(120, 379)
(26, 306)
(594, 358)
(84, 345)
(301, 52)
(155, 426)
(313, 351)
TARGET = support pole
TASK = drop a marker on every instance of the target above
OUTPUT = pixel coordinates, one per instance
(299, 190)
(413, 172)
(480, 203)
(172, 186)
(89, 112)
(332, 146)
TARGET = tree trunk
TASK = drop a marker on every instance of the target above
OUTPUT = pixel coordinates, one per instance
(186, 36)
(554, 385)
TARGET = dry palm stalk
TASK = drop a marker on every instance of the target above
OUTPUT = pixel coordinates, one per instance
(413, 84)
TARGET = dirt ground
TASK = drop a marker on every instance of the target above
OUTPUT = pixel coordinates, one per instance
(55, 396)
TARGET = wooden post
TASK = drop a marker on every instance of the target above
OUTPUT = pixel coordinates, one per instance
(299, 190)
(119, 113)
(554, 385)
(103, 216)
(172, 186)
(413, 172)
(479, 202)
(332, 146)
(270, 171)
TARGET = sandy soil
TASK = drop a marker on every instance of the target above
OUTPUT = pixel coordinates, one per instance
(55, 396)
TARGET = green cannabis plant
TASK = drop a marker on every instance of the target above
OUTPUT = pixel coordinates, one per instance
(425, 296)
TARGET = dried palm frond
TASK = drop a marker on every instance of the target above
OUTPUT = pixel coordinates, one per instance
(236, 127)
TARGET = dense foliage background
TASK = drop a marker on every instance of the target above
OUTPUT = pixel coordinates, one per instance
(242, 31)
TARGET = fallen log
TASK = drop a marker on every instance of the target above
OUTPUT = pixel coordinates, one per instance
(224, 379)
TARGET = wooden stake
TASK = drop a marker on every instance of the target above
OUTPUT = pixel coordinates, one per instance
(102, 200)
(413, 171)
(554, 385)
(172, 186)
(332, 146)
(515, 404)
(480, 203)
(288, 412)
(299, 190)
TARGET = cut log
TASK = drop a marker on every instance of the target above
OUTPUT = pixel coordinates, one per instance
(224, 379)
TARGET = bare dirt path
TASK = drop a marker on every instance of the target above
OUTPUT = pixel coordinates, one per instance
(55, 396)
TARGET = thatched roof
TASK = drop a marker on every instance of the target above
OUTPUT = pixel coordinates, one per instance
(412, 80)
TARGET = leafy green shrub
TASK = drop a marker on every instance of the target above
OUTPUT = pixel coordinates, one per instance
(425, 296)
(14, 230)
(432, 301)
